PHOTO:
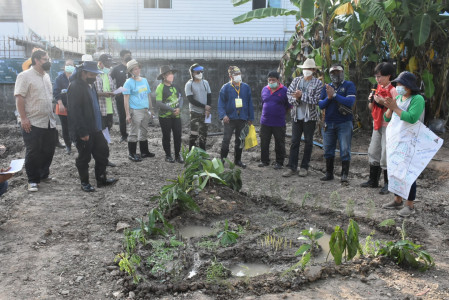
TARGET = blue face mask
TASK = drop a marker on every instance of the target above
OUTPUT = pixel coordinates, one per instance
(106, 70)
(273, 85)
(401, 90)
(69, 69)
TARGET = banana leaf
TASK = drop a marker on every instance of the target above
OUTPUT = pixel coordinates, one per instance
(421, 29)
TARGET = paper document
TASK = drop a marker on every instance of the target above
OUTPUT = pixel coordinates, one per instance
(107, 135)
(119, 90)
(208, 120)
(16, 166)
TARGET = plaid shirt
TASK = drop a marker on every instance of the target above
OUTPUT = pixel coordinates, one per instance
(99, 86)
(310, 96)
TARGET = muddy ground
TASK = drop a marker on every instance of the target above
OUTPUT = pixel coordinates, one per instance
(60, 243)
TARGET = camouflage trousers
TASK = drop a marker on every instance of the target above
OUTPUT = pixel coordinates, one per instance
(197, 129)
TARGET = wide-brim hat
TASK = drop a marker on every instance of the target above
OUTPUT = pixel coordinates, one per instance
(408, 80)
(308, 64)
(90, 66)
(165, 69)
(131, 65)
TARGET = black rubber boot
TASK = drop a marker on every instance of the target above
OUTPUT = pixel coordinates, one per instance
(132, 148)
(384, 190)
(103, 181)
(373, 181)
(329, 170)
(144, 150)
(344, 171)
(238, 158)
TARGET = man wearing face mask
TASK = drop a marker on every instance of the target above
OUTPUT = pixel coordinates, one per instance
(235, 109)
(33, 92)
(303, 93)
(338, 122)
(60, 96)
(200, 98)
(118, 74)
(85, 126)
(105, 85)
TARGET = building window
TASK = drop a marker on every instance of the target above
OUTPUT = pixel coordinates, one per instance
(157, 4)
(72, 24)
(11, 11)
(266, 3)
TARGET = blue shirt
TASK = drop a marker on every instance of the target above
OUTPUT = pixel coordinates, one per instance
(138, 93)
(345, 95)
(226, 102)
(96, 106)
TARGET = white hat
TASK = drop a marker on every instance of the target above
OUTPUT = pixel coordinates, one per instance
(86, 57)
(308, 64)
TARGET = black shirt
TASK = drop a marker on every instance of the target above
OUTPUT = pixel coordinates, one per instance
(118, 73)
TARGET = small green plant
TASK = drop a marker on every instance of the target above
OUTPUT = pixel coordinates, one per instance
(162, 253)
(129, 264)
(371, 247)
(371, 208)
(227, 237)
(275, 243)
(208, 245)
(350, 204)
(305, 198)
(215, 272)
(335, 200)
(343, 245)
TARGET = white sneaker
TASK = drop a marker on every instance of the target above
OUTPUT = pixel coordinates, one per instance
(32, 187)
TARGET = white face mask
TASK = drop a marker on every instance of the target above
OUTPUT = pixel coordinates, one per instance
(237, 78)
(198, 76)
(307, 73)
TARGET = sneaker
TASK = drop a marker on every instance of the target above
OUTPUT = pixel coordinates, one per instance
(407, 211)
(303, 172)
(277, 166)
(32, 187)
(263, 164)
(393, 205)
(288, 173)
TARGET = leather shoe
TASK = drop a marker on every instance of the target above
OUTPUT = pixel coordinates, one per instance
(111, 164)
(240, 164)
(86, 187)
(169, 159)
(134, 157)
(179, 159)
(106, 182)
(123, 139)
(148, 154)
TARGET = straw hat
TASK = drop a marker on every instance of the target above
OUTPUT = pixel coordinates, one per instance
(165, 69)
(131, 65)
(308, 64)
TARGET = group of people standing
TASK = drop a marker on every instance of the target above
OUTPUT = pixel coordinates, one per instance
(84, 95)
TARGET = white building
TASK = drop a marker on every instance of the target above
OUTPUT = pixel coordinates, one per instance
(56, 24)
(194, 28)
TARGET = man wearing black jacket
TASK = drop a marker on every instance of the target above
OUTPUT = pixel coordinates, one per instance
(199, 95)
(85, 126)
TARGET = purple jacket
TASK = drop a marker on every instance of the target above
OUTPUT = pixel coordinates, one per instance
(274, 106)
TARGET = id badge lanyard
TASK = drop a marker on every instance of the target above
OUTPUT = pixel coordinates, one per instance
(238, 100)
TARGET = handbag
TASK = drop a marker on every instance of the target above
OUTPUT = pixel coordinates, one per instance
(251, 138)
(344, 110)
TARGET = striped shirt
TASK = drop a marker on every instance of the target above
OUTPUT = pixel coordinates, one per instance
(37, 91)
(101, 89)
(310, 96)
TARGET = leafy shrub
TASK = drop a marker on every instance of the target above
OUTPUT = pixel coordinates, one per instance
(227, 237)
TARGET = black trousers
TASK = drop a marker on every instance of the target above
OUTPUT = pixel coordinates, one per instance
(229, 128)
(197, 128)
(96, 146)
(40, 147)
(298, 128)
(65, 131)
(119, 100)
(107, 121)
(169, 125)
(279, 143)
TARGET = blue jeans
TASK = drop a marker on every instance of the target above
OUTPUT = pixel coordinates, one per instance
(3, 187)
(341, 132)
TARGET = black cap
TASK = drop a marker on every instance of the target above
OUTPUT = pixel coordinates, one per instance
(408, 80)
(106, 59)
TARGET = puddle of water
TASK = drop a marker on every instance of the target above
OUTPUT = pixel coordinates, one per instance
(324, 243)
(195, 231)
(249, 269)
